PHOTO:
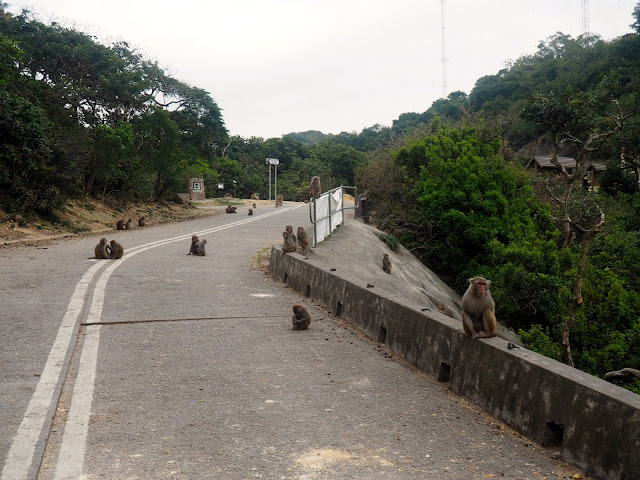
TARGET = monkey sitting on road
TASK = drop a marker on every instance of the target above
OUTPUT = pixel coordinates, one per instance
(116, 250)
(193, 250)
(200, 248)
(250, 211)
(141, 222)
(254, 205)
(289, 243)
(120, 225)
(301, 318)
(231, 209)
(478, 309)
(102, 250)
(386, 263)
(127, 226)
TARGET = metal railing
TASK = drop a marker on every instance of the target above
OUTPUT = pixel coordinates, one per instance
(331, 209)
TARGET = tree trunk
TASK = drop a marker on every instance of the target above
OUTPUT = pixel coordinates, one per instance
(577, 292)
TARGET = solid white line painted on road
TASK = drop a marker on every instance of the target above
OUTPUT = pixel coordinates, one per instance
(74, 441)
(20, 456)
(71, 458)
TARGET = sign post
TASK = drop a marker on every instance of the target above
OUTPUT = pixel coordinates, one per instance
(276, 162)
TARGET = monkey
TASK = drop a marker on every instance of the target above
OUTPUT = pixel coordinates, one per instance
(250, 211)
(102, 250)
(254, 196)
(303, 240)
(279, 200)
(478, 309)
(201, 244)
(289, 243)
(289, 228)
(193, 250)
(231, 209)
(301, 318)
(254, 204)
(314, 189)
(120, 225)
(127, 226)
(386, 263)
(141, 222)
(116, 250)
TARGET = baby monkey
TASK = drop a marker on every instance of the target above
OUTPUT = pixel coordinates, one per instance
(301, 318)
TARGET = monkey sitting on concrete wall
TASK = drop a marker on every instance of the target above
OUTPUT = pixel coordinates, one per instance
(386, 263)
(478, 309)
(289, 242)
(314, 188)
(303, 240)
(301, 318)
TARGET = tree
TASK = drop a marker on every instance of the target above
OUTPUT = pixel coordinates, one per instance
(582, 120)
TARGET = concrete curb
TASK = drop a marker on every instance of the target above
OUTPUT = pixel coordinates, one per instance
(595, 424)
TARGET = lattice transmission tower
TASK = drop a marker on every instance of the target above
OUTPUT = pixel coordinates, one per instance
(585, 16)
(444, 49)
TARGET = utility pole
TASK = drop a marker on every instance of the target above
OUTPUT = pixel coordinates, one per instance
(585, 16)
(444, 50)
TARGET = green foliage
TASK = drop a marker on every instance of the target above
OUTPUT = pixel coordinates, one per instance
(538, 339)
(391, 240)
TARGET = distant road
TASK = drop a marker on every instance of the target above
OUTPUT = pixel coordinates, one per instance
(163, 365)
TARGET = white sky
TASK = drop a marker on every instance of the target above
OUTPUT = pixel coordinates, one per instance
(282, 66)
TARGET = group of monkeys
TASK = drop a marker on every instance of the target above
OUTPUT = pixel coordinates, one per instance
(231, 209)
(291, 240)
(122, 225)
(113, 250)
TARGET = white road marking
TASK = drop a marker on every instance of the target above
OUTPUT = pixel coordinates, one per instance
(20, 459)
(74, 440)
(20, 456)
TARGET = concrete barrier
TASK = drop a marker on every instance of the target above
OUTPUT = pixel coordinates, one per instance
(596, 425)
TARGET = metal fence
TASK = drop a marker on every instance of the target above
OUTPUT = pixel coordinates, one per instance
(327, 212)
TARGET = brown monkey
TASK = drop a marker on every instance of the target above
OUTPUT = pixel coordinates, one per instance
(303, 240)
(193, 250)
(231, 209)
(386, 263)
(102, 250)
(279, 200)
(254, 205)
(289, 243)
(201, 244)
(478, 309)
(250, 211)
(116, 250)
(120, 225)
(301, 318)
(289, 228)
(314, 189)
(141, 222)
(127, 226)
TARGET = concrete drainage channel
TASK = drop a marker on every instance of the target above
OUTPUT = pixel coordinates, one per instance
(594, 423)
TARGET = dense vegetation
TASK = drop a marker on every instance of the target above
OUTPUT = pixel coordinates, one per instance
(80, 118)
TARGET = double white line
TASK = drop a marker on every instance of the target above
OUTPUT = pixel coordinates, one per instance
(21, 461)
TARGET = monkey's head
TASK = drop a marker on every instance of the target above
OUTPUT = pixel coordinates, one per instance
(194, 238)
(103, 241)
(480, 285)
(204, 240)
(285, 234)
(300, 230)
(386, 256)
(297, 309)
(289, 229)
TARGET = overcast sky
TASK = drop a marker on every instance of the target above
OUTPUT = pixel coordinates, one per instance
(282, 66)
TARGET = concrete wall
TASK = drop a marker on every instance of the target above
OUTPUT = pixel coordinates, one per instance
(595, 424)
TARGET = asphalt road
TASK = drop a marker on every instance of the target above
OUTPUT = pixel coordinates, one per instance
(168, 366)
